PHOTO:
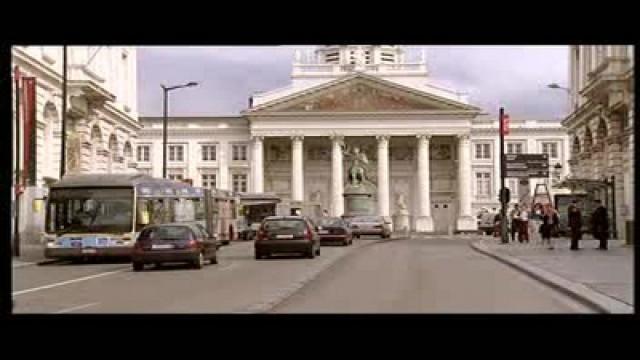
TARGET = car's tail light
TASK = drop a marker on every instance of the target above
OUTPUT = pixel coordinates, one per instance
(192, 243)
(307, 233)
(261, 235)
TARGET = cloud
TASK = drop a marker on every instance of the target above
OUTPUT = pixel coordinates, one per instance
(511, 76)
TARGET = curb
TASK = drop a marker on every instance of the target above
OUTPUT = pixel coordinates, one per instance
(577, 291)
(266, 306)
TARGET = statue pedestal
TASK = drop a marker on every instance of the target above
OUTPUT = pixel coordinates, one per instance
(401, 223)
(358, 201)
(424, 224)
(467, 224)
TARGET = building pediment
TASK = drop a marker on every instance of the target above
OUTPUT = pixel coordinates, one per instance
(361, 93)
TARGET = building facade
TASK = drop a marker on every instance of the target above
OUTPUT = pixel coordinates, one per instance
(600, 124)
(427, 147)
(102, 118)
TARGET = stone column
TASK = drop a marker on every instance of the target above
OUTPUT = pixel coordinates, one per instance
(615, 168)
(337, 180)
(258, 167)
(297, 169)
(424, 221)
(466, 222)
(383, 175)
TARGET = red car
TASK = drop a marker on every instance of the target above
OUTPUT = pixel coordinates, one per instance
(190, 243)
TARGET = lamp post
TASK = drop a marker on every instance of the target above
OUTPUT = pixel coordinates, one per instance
(555, 86)
(165, 91)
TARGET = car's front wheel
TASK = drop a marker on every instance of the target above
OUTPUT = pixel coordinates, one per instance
(138, 266)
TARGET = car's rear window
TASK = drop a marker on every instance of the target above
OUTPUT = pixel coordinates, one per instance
(166, 233)
(294, 225)
(366, 219)
(330, 222)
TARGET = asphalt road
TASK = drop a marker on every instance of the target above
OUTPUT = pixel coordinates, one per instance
(372, 276)
(425, 276)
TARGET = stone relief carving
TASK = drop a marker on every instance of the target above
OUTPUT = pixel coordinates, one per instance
(359, 97)
(316, 196)
(279, 152)
(440, 152)
(317, 152)
(402, 153)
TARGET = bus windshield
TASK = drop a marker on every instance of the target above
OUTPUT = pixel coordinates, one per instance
(90, 211)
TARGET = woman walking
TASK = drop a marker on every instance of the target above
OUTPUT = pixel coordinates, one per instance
(549, 221)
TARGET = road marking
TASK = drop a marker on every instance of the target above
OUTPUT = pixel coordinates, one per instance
(26, 291)
(227, 267)
(76, 308)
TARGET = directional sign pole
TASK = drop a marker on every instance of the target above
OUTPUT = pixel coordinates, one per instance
(503, 200)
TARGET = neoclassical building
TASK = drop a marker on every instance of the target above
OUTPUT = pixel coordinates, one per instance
(102, 117)
(423, 142)
(600, 124)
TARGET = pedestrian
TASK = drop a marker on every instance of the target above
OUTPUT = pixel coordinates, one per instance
(575, 224)
(325, 213)
(523, 220)
(536, 221)
(515, 227)
(497, 219)
(549, 221)
(600, 225)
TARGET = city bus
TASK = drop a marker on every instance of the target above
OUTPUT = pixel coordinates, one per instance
(96, 215)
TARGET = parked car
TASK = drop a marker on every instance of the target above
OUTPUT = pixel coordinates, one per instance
(370, 225)
(287, 234)
(486, 222)
(176, 242)
(332, 229)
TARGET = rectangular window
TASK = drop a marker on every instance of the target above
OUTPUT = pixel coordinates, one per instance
(208, 153)
(144, 153)
(514, 148)
(176, 174)
(483, 184)
(483, 151)
(209, 181)
(239, 152)
(550, 148)
(239, 182)
(176, 153)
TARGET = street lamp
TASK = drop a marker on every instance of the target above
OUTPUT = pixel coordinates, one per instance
(555, 86)
(165, 91)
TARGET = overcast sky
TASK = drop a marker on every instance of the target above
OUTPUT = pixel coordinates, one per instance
(511, 76)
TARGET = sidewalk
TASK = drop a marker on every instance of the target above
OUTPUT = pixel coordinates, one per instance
(602, 278)
(30, 254)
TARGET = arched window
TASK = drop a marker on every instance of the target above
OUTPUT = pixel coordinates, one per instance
(601, 132)
(96, 145)
(128, 154)
(50, 163)
(113, 151)
(576, 146)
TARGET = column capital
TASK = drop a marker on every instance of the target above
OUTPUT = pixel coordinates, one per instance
(297, 137)
(336, 137)
(423, 136)
(257, 138)
(382, 138)
(463, 137)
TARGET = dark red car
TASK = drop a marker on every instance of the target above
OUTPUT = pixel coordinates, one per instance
(179, 242)
(334, 229)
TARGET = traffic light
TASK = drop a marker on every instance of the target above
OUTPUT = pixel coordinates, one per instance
(505, 195)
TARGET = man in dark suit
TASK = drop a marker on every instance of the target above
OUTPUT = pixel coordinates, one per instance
(575, 224)
(600, 225)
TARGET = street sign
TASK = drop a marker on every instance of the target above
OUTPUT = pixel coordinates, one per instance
(526, 165)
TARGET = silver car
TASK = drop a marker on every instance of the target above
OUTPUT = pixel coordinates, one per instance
(370, 225)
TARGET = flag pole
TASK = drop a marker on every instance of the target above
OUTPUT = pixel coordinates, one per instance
(503, 193)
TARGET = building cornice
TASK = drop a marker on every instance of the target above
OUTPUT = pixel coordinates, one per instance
(301, 115)
(29, 62)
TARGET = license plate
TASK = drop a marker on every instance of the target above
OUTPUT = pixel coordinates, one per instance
(284, 236)
(323, 231)
(88, 251)
(162, 246)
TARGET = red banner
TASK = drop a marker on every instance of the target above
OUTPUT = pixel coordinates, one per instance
(29, 110)
(505, 124)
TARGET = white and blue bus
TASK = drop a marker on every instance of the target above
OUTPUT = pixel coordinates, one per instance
(96, 215)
